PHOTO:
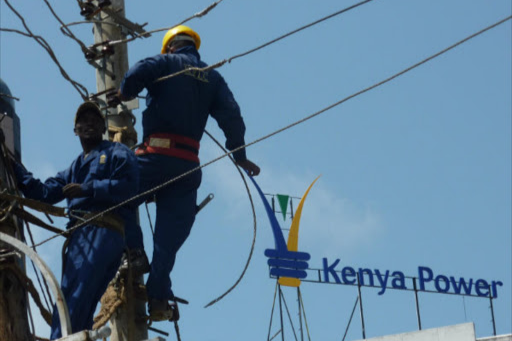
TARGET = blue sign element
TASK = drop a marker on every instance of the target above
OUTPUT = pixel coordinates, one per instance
(427, 280)
(282, 262)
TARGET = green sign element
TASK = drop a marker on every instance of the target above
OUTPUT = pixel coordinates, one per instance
(283, 203)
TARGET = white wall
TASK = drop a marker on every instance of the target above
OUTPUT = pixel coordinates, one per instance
(459, 332)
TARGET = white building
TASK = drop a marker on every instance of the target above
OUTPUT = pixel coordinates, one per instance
(459, 332)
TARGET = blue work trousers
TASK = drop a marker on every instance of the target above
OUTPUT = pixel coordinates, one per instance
(175, 215)
(90, 262)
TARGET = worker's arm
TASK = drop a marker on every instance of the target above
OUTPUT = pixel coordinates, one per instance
(226, 112)
(142, 75)
(50, 191)
(119, 182)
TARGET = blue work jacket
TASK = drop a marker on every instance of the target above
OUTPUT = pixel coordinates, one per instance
(181, 105)
(108, 175)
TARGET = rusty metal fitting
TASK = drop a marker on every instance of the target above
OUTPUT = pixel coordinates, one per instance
(104, 3)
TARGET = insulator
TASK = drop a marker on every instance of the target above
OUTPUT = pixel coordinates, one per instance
(87, 9)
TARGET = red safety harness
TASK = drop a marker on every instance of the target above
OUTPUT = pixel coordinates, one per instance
(172, 145)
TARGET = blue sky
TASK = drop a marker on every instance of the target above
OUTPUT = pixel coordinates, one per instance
(414, 173)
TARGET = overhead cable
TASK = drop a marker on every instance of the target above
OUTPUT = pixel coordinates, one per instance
(9, 96)
(37, 273)
(254, 226)
(147, 34)
(229, 60)
(65, 30)
(12, 186)
(167, 183)
(82, 90)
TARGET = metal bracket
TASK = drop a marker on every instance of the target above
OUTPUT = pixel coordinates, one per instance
(99, 67)
(100, 50)
(133, 28)
(205, 202)
(130, 105)
(153, 329)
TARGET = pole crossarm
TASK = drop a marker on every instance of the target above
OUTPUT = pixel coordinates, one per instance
(133, 28)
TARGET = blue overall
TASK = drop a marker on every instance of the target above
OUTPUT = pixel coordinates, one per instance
(181, 106)
(108, 176)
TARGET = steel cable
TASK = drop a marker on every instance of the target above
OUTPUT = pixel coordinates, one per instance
(47, 292)
(146, 34)
(11, 182)
(9, 96)
(170, 181)
(82, 90)
(228, 60)
(65, 30)
(254, 229)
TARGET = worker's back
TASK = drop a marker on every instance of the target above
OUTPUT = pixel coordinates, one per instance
(181, 105)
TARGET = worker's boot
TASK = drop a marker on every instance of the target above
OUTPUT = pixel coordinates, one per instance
(137, 262)
(163, 311)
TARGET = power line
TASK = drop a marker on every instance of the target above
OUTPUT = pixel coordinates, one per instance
(65, 30)
(170, 181)
(229, 60)
(41, 41)
(147, 34)
(254, 226)
(299, 29)
(9, 96)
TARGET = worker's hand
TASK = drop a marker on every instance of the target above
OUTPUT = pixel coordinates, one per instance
(73, 190)
(251, 168)
(113, 99)
(123, 97)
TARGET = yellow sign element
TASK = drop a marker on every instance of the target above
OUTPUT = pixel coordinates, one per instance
(293, 237)
(289, 282)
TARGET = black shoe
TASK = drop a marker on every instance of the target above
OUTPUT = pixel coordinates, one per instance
(163, 311)
(138, 262)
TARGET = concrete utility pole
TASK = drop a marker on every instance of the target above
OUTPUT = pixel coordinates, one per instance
(113, 63)
(14, 324)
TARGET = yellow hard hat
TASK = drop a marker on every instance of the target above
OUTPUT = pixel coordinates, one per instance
(181, 29)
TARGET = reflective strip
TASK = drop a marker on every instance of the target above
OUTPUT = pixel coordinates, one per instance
(159, 142)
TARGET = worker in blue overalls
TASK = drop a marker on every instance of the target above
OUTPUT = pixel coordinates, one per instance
(104, 174)
(173, 124)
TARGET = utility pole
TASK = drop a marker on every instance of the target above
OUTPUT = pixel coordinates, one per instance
(14, 325)
(111, 62)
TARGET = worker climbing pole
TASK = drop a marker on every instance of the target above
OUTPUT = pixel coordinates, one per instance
(13, 295)
(125, 309)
